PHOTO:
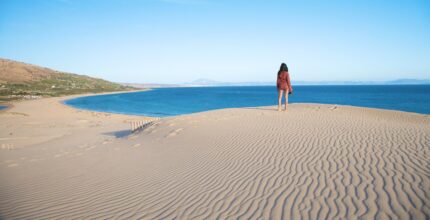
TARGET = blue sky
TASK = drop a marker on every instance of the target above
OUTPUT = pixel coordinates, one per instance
(176, 41)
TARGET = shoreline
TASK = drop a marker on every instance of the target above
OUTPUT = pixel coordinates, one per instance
(8, 106)
(100, 94)
(62, 99)
(30, 122)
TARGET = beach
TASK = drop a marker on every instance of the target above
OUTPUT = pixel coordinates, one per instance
(312, 161)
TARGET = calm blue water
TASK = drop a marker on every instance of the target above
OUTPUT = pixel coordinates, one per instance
(175, 101)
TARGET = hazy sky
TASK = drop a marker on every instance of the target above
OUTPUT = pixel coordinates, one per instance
(175, 41)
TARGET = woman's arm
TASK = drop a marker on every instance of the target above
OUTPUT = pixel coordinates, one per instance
(290, 87)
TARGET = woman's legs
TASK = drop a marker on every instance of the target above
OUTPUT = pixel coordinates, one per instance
(286, 99)
(280, 99)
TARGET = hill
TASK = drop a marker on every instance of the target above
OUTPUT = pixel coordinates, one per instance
(26, 81)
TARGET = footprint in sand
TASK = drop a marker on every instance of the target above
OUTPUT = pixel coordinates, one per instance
(13, 165)
(175, 132)
(333, 107)
(132, 137)
(83, 146)
(7, 146)
(136, 145)
(95, 125)
(92, 147)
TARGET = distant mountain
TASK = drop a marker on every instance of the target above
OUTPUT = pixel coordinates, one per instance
(23, 81)
(337, 83)
(409, 81)
(208, 82)
(204, 82)
(151, 85)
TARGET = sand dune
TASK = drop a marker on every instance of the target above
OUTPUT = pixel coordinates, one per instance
(311, 162)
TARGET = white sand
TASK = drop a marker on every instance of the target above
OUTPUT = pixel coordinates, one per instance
(314, 161)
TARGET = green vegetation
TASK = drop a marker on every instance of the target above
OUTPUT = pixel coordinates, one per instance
(58, 84)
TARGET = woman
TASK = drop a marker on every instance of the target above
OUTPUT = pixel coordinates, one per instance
(284, 85)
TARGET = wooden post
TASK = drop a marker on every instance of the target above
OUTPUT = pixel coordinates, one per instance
(141, 124)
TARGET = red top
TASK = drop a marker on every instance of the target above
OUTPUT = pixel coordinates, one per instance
(284, 82)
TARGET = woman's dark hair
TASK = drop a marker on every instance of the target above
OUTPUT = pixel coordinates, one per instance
(283, 67)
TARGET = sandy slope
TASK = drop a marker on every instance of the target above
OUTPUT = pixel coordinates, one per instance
(314, 161)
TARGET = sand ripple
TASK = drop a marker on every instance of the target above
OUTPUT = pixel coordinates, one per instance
(312, 162)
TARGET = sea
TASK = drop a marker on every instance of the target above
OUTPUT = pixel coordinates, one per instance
(163, 102)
